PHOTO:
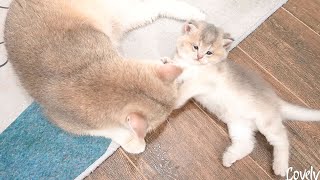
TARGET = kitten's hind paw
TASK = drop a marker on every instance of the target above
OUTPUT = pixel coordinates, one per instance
(228, 159)
(280, 168)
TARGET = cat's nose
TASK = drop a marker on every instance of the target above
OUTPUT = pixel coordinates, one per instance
(199, 56)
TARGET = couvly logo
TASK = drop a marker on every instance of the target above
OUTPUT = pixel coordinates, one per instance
(307, 174)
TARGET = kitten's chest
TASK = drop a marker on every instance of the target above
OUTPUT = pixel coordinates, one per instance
(215, 98)
(220, 98)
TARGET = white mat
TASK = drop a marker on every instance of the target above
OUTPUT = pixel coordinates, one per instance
(238, 17)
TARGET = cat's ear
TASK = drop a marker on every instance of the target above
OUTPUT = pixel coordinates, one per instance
(138, 124)
(168, 72)
(190, 27)
(227, 41)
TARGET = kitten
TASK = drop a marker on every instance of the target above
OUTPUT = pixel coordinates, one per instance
(63, 52)
(238, 96)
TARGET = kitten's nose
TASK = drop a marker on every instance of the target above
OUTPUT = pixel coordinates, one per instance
(199, 56)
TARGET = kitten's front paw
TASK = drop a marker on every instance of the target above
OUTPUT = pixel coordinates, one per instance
(280, 168)
(135, 146)
(166, 60)
(228, 159)
(180, 80)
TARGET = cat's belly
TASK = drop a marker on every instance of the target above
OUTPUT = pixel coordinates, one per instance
(226, 106)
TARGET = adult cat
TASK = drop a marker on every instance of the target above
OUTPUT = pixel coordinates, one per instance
(63, 51)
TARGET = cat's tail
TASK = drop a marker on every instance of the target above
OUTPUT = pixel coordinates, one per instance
(294, 112)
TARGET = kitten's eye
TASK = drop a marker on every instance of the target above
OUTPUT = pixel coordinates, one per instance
(196, 47)
(209, 53)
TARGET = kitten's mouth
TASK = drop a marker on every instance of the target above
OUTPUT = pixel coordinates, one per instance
(200, 61)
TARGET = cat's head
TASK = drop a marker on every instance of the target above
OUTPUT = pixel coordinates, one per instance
(149, 105)
(203, 43)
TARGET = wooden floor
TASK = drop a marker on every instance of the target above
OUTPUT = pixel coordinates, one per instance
(285, 49)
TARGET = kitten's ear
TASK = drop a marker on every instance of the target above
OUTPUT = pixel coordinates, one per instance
(138, 124)
(168, 72)
(227, 41)
(190, 27)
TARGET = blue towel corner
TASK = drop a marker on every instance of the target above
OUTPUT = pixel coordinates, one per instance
(33, 148)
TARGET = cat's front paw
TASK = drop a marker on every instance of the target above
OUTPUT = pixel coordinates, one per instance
(280, 168)
(228, 159)
(189, 12)
(198, 15)
(135, 146)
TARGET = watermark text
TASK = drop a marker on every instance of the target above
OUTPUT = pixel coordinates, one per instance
(307, 174)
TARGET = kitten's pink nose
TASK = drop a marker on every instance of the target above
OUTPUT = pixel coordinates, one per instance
(199, 56)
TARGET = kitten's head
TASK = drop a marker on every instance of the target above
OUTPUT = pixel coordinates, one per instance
(203, 43)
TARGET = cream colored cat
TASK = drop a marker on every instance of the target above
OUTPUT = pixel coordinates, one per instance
(64, 54)
(238, 96)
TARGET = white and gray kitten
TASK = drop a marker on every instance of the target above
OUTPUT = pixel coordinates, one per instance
(238, 96)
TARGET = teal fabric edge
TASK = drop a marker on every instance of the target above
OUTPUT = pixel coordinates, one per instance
(33, 148)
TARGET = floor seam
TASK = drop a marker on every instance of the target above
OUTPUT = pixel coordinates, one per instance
(300, 21)
(131, 162)
(277, 80)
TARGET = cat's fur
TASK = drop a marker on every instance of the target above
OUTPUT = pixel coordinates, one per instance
(238, 96)
(63, 51)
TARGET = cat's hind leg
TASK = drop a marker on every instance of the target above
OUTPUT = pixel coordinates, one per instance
(242, 137)
(147, 11)
(277, 136)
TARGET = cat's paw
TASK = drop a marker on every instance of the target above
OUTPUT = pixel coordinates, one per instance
(135, 146)
(228, 159)
(166, 60)
(189, 12)
(180, 80)
(198, 15)
(280, 168)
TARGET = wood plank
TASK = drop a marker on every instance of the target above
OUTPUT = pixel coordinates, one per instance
(290, 52)
(303, 136)
(190, 146)
(116, 167)
(307, 11)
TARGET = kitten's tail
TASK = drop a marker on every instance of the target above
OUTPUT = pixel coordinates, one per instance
(294, 112)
